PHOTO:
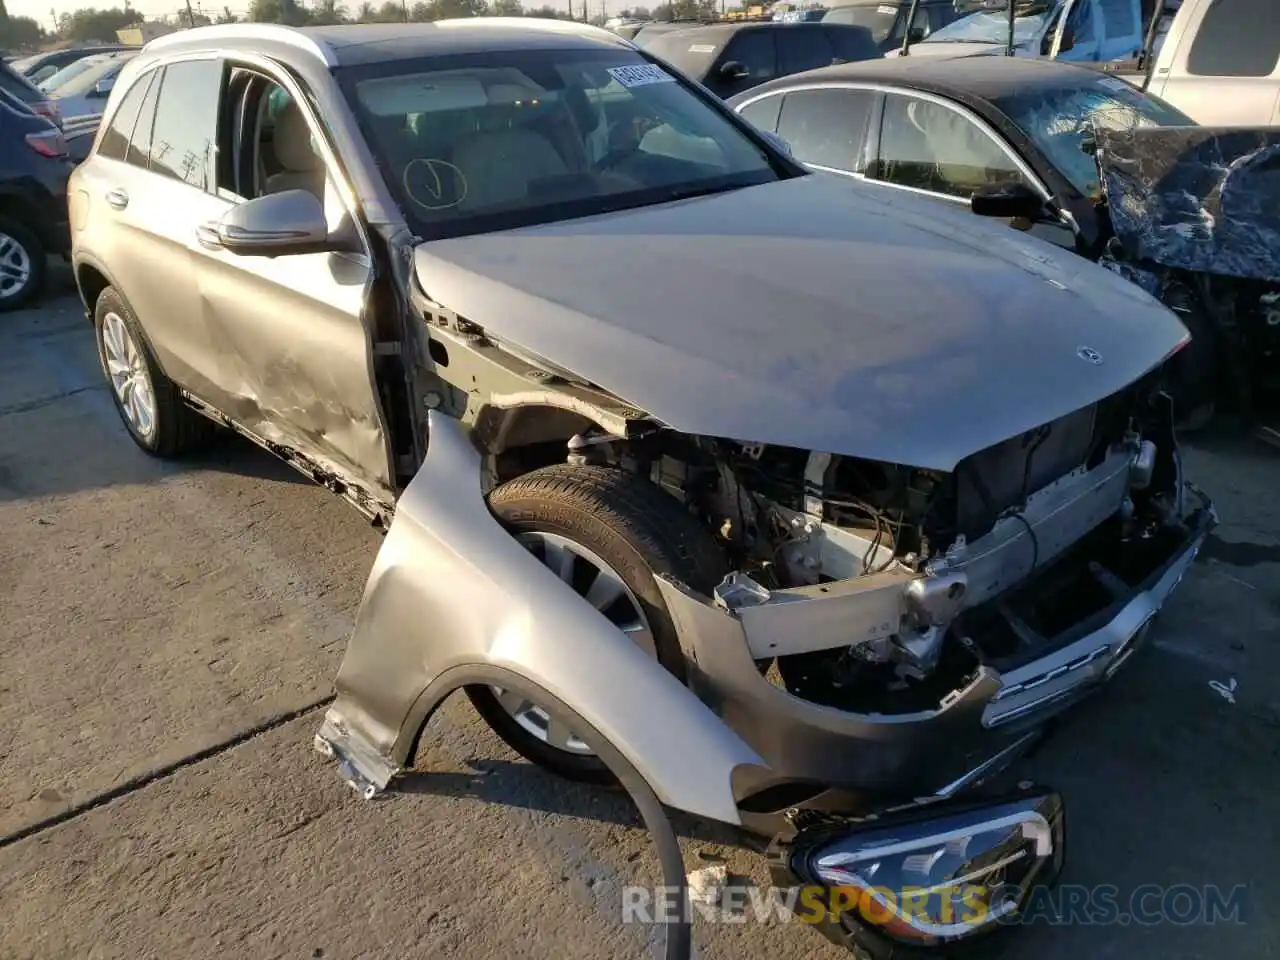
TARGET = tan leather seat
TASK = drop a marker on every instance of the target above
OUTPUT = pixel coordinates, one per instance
(302, 167)
(500, 165)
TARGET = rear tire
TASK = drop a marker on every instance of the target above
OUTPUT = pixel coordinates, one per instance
(636, 531)
(149, 403)
(22, 264)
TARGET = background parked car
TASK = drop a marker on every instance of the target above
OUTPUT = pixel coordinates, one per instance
(33, 200)
(729, 58)
(41, 66)
(79, 135)
(996, 134)
(85, 95)
(946, 128)
(19, 87)
(887, 21)
(641, 34)
(1094, 30)
(1219, 62)
(60, 78)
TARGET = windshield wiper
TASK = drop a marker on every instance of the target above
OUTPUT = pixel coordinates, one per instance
(686, 193)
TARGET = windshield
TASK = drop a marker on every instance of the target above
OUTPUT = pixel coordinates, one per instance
(491, 141)
(70, 71)
(877, 19)
(1058, 120)
(1031, 20)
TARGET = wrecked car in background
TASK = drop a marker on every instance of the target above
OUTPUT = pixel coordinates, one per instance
(785, 551)
(1196, 214)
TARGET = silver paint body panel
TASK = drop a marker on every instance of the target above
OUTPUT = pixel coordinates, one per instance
(451, 589)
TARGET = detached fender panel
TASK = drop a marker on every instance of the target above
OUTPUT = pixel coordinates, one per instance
(453, 598)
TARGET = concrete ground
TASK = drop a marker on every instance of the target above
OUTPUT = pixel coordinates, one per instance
(170, 633)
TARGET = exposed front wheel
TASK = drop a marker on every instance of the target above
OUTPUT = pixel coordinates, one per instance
(605, 533)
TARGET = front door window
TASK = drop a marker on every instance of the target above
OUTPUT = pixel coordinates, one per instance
(929, 146)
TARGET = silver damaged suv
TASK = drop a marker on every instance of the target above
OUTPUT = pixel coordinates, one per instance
(779, 502)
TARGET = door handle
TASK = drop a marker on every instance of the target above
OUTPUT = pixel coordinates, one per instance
(208, 237)
(117, 198)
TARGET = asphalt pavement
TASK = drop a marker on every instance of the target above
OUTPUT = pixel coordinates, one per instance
(169, 634)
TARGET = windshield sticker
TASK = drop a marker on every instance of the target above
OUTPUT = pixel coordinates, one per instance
(640, 75)
(889, 11)
(703, 48)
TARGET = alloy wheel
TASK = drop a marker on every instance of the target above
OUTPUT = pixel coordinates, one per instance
(130, 379)
(15, 266)
(601, 586)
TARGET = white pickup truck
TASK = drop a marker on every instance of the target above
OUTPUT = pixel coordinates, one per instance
(1219, 63)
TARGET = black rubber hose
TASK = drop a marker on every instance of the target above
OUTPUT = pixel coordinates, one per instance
(677, 930)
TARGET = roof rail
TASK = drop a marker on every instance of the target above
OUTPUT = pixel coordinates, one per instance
(575, 27)
(272, 32)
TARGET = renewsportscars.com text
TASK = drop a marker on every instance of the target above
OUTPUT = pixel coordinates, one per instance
(1062, 905)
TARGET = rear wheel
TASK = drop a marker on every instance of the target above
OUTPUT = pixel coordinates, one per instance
(605, 533)
(22, 264)
(149, 403)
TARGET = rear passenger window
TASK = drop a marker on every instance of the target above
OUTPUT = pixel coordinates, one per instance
(186, 124)
(763, 114)
(115, 141)
(803, 48)
(1237, 38)
(140, 142)
(825, 127)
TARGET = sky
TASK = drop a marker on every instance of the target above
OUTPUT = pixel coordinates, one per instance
(39, 9)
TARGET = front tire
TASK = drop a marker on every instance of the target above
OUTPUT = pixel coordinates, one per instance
(606, 533)
(149, 403)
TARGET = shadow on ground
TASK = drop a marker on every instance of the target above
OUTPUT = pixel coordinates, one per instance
(55, 405)
(523, 786)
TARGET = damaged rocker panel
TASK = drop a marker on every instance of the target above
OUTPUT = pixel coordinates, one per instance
(378, 509)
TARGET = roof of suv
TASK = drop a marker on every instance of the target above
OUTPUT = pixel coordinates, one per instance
(352, 44)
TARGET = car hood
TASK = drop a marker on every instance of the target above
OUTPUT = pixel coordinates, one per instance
(813, 314)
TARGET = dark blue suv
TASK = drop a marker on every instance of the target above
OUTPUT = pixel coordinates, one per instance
(34, 166)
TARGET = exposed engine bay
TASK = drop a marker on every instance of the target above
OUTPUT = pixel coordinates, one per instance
(930, 574)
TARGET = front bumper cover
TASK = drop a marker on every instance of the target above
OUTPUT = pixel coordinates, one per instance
(889, 757)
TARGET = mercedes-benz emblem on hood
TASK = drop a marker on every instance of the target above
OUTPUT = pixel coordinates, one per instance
(1089, 355)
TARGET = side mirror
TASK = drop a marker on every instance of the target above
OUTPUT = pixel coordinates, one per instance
(915, 34)
(1007, 200)
(1068, 39)
(277, 225)
(734, 70)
